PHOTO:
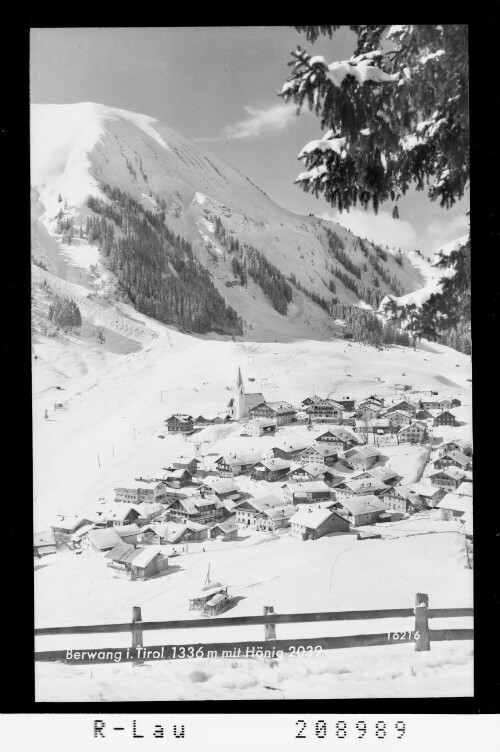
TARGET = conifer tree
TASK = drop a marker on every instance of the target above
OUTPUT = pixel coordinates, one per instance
(396, 116)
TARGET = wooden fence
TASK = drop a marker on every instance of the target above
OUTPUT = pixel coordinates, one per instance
(269, 647)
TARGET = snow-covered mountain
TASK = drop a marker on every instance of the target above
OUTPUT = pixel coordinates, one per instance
(78, 148)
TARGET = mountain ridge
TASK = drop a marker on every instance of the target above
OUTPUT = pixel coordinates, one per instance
(77, 148)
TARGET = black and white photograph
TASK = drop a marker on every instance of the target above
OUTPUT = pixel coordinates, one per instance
(251, 363)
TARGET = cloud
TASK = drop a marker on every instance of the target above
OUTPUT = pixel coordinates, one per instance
(380, 228)
(272, 119)
(399, 233)
(440, 232)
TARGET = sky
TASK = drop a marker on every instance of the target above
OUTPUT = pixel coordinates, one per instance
(218, 85)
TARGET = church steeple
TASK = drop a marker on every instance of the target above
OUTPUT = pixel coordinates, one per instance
(239, 397)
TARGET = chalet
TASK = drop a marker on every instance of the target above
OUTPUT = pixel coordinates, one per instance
(228, 508)
(361, 457)
(271, 470)
(270, 520)
(201, 422)
(312, 471)
(423, 415)
(399, 498)
(298, 493)
(148, 562)
(44, 543)
(227, 530)
(462, 446)
(362, 510)
(120, 513)
(350, 488)
(385, 474)
(369, 409)
(247, 511)
(404, 405)
(101, 539)
(120, 557)
(414, 433)
(261, 427)
(453, 506)
(180, 423)
(399, 418)
(346, 403)
(289, 449)
(280, 412)
(340, 439)
(195, 509)
(455, 458)
(229, 466)
(178, 478)
(128, 533)
(222, 488)
(137, 490)
(446, 419)
(427, 496)
(448, 478)
(66, 527)
(185, 463)
(325, 411)
(188, 531)
(313, 523)
(324, 454)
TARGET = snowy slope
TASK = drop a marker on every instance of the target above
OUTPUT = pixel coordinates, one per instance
(431, 274)
(74, 147)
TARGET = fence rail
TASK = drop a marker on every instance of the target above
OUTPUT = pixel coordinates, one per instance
(236, 621)
(421, 635)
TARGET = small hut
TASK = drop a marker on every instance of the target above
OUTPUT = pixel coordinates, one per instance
(217, 604)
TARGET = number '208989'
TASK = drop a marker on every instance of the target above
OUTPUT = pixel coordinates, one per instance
(379, 730)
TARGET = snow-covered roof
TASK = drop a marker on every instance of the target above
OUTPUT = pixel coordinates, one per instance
(310, 517)
(135, 483)
(456, 503)
(371, 484)
(221, 485)
(103, 538)
(464, 489)
(423, 489)
(265, 502)
(275, 513)
(126, 530)
(308, 486)
(459, 457)
(145, 556)
(363, 504)
(451, 471)
(275, 463)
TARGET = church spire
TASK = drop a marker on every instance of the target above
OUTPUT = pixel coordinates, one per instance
(239, 380)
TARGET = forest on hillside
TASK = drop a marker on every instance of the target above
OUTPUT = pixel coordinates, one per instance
(156, 267)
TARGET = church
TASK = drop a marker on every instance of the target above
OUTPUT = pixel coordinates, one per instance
(241, 402)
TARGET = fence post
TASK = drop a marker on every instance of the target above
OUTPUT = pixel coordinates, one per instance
(269, 629)
(422, 622)
(137, 637)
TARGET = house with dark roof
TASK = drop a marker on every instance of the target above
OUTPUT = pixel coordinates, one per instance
(271, 470)
(446, 418)
(180, 423)
(455, 458)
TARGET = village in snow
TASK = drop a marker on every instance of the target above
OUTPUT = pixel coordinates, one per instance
(251, 403)
(323, 502)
